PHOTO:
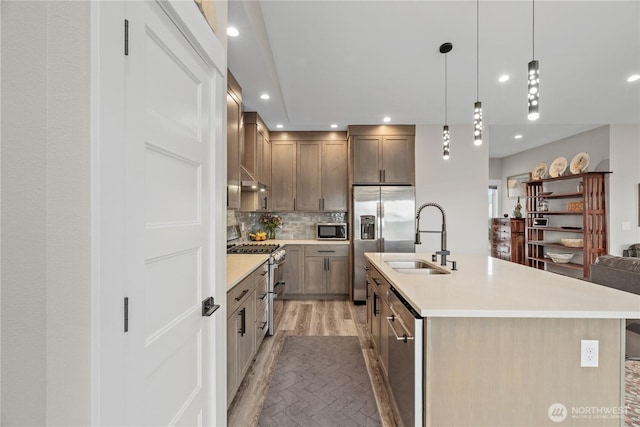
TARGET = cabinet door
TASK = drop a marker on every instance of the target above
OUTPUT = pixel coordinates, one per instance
(232, 356)
(283, 175)
(366, 159)
(234, 120)
(250, 153)
(308, 178)
(377, 314)
(337, 275)
(246, 336)
(398, 159)
(292, 273)
(266, 161)
(314, 275)
(334, 176)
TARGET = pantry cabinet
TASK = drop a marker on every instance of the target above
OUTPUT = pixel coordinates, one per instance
(283, 175)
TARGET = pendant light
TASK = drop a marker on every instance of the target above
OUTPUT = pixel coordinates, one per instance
(534, 73)
(477, 107)
(445, 48)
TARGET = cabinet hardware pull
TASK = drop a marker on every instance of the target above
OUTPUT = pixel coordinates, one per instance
(262, 325)
(263, 273)
(375, 304)
(244, 292)
(264, 295)
(320, 204)
(243, 319)
(328, 265)
(326, 250)
(384, 175)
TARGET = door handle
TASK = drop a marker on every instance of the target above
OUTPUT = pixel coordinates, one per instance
(209, 307)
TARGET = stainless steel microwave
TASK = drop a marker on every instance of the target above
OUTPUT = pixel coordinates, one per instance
(331, 231)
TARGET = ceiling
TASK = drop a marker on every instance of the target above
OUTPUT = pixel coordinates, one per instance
(354, 62)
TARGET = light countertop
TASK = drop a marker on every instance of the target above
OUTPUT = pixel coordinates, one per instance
(488, 287)
(240, 266)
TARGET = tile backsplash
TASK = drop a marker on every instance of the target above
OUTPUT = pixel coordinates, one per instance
(295, 225)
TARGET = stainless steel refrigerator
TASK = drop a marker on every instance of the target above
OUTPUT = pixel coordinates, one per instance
(383, 221)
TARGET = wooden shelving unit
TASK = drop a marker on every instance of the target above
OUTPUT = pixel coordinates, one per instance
(593, 218)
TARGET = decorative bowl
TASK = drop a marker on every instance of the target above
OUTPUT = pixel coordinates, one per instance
(572, 243)
(560, 258)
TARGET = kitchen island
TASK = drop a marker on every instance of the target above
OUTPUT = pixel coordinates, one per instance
(502, 343)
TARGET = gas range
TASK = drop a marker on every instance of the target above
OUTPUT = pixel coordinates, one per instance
(253, 248)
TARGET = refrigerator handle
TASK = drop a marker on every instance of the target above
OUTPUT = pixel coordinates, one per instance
(380, 214)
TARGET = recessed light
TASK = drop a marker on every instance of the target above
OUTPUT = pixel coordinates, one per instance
(333, 125)
(518, 136)
(387, 119)
(503, 78)
(233, 32)
(279, 126)
(265, 96)
(633, 78)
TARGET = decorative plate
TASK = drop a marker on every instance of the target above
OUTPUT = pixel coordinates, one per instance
(539, 171)
(579, 163)
(558, 167)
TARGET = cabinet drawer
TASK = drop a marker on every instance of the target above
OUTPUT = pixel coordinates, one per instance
(503, 249)
(326, 250)
(238, 295)
(262, 295)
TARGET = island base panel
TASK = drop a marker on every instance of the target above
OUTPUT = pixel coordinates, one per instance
(509, 371)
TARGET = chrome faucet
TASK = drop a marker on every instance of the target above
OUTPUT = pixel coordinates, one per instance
(443, 252)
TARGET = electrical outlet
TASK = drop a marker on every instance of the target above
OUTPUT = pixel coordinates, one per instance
(626, 225)
(242, 226)
(589, 353)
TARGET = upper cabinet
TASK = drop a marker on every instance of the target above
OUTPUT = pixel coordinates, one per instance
(234, 141)
(383, 154)
(256, 157)
(309, 171)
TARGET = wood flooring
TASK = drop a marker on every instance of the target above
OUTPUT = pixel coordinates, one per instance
(308, 318)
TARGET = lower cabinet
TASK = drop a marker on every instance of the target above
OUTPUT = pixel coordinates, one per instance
(245, 303)
(317, 271)
(378, 313)
(292, 270)
(326, 270)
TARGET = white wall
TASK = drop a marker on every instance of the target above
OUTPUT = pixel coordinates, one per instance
(46, 302)
(623, 186)
(458, 184)
(595, 142)
(495, 169)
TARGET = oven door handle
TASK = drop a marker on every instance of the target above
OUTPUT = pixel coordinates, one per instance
(278, 288)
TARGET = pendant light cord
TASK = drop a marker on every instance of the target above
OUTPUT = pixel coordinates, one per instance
(477, 50)
(445, 88)
(533, 29)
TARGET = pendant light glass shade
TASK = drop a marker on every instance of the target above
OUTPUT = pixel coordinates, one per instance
(534, 90)
(445, 142)
(477, 123)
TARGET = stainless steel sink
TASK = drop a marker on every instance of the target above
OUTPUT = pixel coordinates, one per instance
(416, 266)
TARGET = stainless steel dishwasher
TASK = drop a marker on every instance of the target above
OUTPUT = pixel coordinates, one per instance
(405, 374)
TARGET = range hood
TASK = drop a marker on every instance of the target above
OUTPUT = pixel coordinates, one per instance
(249, 182)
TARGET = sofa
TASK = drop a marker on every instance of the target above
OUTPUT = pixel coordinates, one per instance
(621, 273)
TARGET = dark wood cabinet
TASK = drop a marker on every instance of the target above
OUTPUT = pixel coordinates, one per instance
(507, 239)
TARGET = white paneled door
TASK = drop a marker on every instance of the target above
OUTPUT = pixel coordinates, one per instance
(168, 134)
